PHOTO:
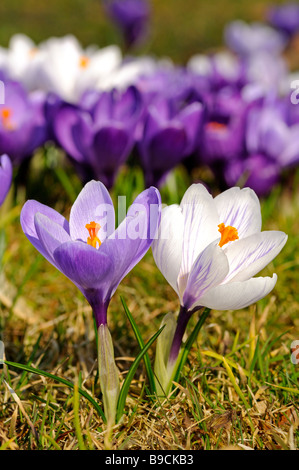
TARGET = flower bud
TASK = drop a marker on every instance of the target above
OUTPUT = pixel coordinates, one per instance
(164, 342)
(108, 373)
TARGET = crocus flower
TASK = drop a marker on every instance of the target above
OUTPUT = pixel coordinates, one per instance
(95, 256)
(272, 146)
(257, 171)
(223, 133)
(209, 249)
(220, 70)
(246, 39)
(5, 177)
(22, 122)
(285, 18)
(99, 133)
(20, 60)
(88, 249)
(131, 17)
(169, 136)
(60, 65)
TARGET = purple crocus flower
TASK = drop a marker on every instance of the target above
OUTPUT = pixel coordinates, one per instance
(131, 17)
(5, 177)
(22, 122)
(87, 248)
(285, 18)
(99, 133)
(245, 39)
(222, 69)
(272, 145)
(257, 171)
(169, 136)
(224, 128)
(96, 257)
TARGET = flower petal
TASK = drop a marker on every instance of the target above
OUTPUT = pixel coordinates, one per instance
(50, 234)
(200, 224)
(250, 255)
(167, 248)
(129, 243)
(208, 271)
(27, 220)
(92, 204)
(90, 269)
(240, 208)
(237, 295)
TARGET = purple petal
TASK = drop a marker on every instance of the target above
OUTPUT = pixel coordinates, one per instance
(93, 204)
(72, 131)
(135, 234)
(112, 145)
(50, 234)
(27, 219)
(89, 268)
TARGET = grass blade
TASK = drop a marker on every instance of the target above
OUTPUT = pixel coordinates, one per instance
(61, 380)
(146, 359)
(126, 385)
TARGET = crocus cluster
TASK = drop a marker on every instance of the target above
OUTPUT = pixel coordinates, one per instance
(209, 250)
(107, 109)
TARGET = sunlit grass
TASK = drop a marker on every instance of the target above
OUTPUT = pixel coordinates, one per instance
(238, 386)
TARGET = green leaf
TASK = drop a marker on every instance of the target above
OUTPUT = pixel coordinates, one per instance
(147, 362)
(126, 385)
(61, 380)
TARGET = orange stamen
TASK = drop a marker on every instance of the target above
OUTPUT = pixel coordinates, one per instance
(84, 62)
(5, 114)
(93, 229)
(216, 126)
(228, 234)
(33, 52)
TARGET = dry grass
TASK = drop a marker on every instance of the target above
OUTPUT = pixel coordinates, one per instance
(249, 399)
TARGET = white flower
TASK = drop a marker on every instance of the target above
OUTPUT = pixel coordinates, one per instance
(69, 70)
(209, 269)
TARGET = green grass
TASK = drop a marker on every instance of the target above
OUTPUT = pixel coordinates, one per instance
(179, 28)
(238, 386)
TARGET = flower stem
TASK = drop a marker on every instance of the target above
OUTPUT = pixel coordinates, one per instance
(182, 322)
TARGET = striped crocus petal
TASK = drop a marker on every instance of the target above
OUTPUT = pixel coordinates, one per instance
(208, 271)
(240, 208)
(250, 255)
(167, 248)
(200, 225)
(237, 295)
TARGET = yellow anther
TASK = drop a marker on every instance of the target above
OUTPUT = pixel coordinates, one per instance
(228, 234)
(93, 229)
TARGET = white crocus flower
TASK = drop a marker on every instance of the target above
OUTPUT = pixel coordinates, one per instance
(209, 249)
(66, 68)
(210, 269)
(21, 59)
